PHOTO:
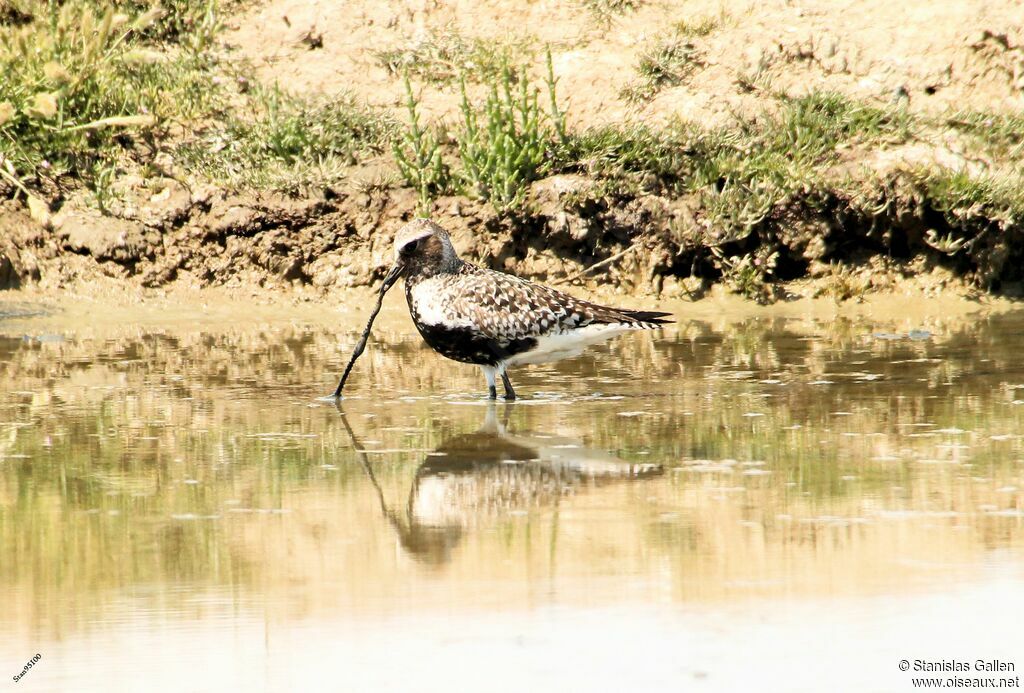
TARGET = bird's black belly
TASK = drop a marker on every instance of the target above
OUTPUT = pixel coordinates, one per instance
(468, 346)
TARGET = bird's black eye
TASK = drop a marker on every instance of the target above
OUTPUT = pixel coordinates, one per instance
(413, 246)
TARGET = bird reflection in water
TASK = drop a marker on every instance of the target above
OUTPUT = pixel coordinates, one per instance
(489, 473)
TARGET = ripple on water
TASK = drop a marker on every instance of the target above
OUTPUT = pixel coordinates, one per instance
(652, 473)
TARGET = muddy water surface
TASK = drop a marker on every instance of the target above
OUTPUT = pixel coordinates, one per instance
(783, 503)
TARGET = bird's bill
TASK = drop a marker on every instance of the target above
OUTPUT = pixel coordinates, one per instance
(392, 276)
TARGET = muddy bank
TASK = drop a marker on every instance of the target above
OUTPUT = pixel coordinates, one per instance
(835, 174)
(160, 233)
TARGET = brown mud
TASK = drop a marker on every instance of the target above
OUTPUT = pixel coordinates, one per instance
(162, 234)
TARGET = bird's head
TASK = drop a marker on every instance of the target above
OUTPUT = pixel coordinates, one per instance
(424, 248)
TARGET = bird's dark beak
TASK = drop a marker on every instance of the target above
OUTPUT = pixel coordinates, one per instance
(392, 276)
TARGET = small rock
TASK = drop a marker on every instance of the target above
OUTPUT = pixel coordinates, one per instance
(817, 268)
(39, 209)
(976, 38)
(754, 58)
(313, 39)
(804, 46)
(827, 48)
(578, 228)
(104, 238)
(164, 205)
(228, 218)
(203, 194)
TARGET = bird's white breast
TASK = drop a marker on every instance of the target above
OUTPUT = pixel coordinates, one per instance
(429, 299)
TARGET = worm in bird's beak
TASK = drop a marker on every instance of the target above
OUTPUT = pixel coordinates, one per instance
(392, 276)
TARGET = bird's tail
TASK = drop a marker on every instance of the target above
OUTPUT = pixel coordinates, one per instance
(650, 318)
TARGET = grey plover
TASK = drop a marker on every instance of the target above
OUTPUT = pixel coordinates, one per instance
(492, 319)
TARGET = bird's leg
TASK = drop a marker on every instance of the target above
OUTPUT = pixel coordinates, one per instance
(489, 373)
(510, 394)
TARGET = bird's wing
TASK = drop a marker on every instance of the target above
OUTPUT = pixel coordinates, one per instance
(505, 308)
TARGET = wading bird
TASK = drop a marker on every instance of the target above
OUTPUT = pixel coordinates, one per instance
(492, 319)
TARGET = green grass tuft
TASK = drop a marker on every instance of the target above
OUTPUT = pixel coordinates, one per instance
(418, 154)
(960, 195)
(604, 12)
(669, 62)
(698, 27)
(1000, 135)
(192, 24)
(449, 57)
(811, 127)
(502, 146)
(290, 144)
(505, 145)
(82, 91)
(624, 153)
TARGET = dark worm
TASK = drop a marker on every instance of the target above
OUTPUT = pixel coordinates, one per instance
(389, 280)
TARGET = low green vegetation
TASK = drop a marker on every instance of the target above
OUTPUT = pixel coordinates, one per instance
(604, 12)
(286, 142)
(82, 91)
(448, 57)
(811, 127)
(998, 134)
(672, 58)
(505, 146)
(745, 181)
(960, 195)
(418, 154)
(776, 153)
(668, 62)
(699, 27)
(501, 146)
(621, 153)
(92, 90)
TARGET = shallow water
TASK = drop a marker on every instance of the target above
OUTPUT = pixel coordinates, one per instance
(779, 503)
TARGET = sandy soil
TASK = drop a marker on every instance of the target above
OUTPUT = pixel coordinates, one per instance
(938, 55)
